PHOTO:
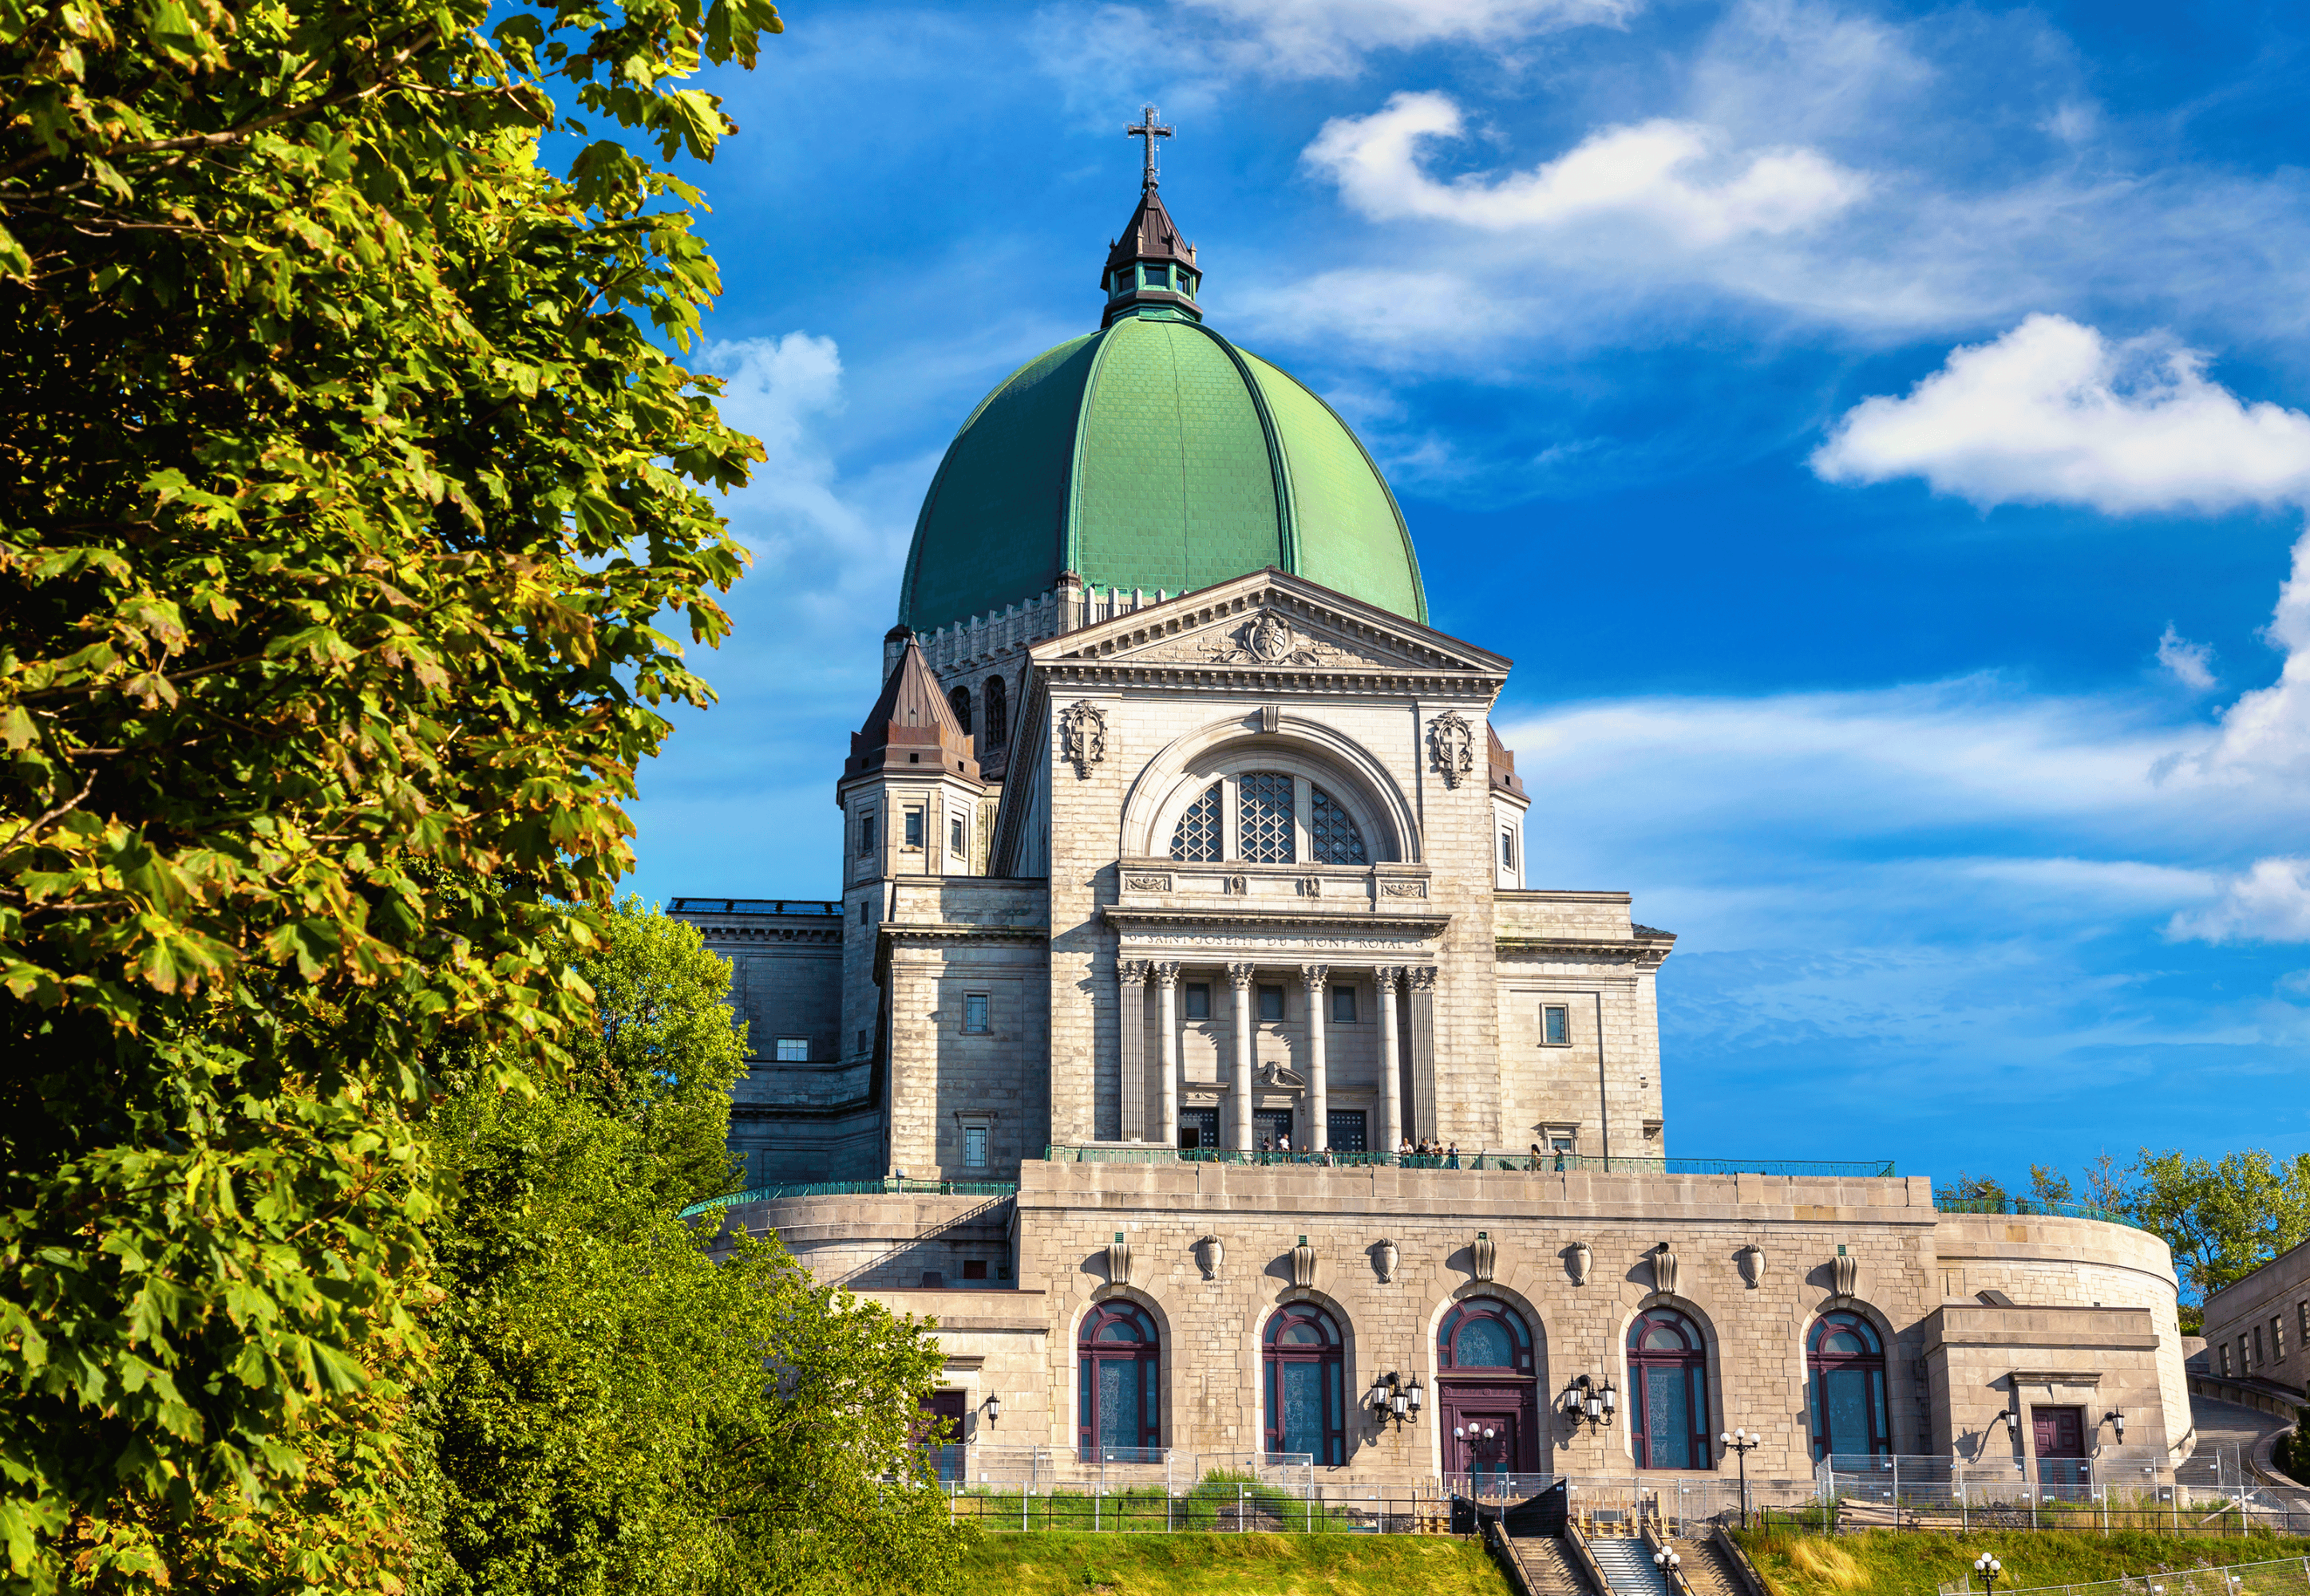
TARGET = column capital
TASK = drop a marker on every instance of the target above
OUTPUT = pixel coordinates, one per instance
(1315, 974)
(1423, 976)
(1166, 973)
(1389, 976)
(1242, 975)
(1133, 971)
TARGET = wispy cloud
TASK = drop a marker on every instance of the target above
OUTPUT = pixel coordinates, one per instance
(2191, 664)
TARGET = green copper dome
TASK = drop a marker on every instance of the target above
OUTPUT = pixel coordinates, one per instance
(1151, 454)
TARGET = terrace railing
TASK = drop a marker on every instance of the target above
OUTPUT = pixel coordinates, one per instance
(1951, 1203)
(860, 1188)
(1480, 1159)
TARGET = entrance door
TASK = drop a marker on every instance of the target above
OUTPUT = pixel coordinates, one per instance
(1483, 1442)
(1199, 1129)
(1273, 1125)
(942, 1412)
(1345, 1128)
(2060, 1435)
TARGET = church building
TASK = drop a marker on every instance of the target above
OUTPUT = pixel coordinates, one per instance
(1187, 897)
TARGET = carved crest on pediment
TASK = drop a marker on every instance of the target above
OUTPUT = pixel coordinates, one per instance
(1263, 638)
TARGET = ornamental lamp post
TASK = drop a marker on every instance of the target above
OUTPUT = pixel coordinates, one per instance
(1742, 1442)
(1989, 1568)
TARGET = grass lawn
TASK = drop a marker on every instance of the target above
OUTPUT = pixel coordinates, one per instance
(1068, 1564)
(1893, 1563)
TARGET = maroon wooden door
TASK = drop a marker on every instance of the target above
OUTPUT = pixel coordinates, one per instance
(2059, 1432)
(1470, 1409)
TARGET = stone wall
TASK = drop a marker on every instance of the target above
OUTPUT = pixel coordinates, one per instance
(2269, 1309)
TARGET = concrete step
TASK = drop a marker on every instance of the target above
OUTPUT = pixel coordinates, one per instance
(1628, 1566)
(1705, 1569)
(1547, 1567)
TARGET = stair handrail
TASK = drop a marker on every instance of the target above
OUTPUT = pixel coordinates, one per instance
(1744, 1572)
(1586, 1560)
(1495, 1536)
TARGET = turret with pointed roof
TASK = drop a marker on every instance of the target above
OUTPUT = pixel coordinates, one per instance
(912, 725)
(1151, 268)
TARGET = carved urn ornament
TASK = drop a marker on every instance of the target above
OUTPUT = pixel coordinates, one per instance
(1583, 1260)
(1663, 1270)
(1209, 1253)
(1303, 1263)
(1485, 1254)
(1844, 1272)
(1119, 1261)
(1390, 1255)
(1751, 1259)
(1082, 735)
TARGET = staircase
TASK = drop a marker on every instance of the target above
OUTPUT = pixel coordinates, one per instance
(1705, 1569)
(1548, 1567)
(1628, 1566)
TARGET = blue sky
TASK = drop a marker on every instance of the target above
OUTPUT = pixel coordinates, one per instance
(1878, 434)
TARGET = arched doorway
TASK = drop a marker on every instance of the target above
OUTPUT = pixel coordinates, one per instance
(1845, 1380)
(1486, 1382)
(1305, 1384)
(1117, 1359)
(1668, 1391)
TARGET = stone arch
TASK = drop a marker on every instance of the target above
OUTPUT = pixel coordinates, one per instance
(1538, 1444)
(1167, 1378)
(1354, 1377)
(1352, 774)
(1801, 1355)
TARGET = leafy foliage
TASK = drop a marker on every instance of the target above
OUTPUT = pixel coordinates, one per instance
(2223, 1220)
(343, 490)
(602, 1418)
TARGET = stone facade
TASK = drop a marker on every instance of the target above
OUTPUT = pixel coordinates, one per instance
(2258, 1327)
(1254, 869)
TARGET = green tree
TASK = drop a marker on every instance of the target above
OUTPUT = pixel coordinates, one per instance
(2048, 1183)
(663, 1049)
(344, 486)
(613, 1410)
(2221, 1219)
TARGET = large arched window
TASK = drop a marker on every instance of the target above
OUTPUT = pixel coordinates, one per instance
(1844, 1385)
(960, 698)
(998, 713)
(1116, 1360)
(1307, 1386)
(1278, 819)
(1484, 1334)
(1668, 1388)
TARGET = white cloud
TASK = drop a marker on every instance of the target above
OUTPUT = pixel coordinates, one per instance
(1677, 179)
(1329, 37)
(2191, 664)
(2270, 903)
(2268, 730)
(2054, 413)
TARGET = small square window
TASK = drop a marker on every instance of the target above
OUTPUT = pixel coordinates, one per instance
(974, 1268)
(974, 1012)
(1343, 1005)
(793, 1050)
(974, 1155)
(914, 828)
(1199, 999)
(1271, 1002)
(1559, 1144)
(866, 834)
(954, 837)
(1555, 1026)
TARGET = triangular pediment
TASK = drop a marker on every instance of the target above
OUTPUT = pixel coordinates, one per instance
(1269, 621)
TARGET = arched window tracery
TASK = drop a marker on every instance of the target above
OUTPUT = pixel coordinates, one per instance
(1197, 837)
(1267, 817)
(1668, 1390)
(1844, 1387)
(1118, 1358)
(1483, 1333)
(997, 698)
(959, 700)
(1305, 1385)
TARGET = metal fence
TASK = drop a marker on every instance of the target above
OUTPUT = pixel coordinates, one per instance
(860, 1188)
(2209, 1493)
(1952, 1203)
(2281, 1576)
(1142, 1490)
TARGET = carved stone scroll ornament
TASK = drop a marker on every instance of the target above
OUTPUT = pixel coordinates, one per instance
(1663, 1270)
(1303, 1263)
(1267, 639)
(1389, 1256)
(1147, 883)
(1119, 1261)
(1582, 1259)
(1404, 889)
(1082, 735)
(1452, 746)
(1485, 1254)
(1210, 1254)
(1844, 1272)
(1751, 1259)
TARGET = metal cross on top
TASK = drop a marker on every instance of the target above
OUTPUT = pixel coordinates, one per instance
(1150, 130)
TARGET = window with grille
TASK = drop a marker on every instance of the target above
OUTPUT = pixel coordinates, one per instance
(1197, 835)
(1331, 832)
(1263, 808)
(974, 1011)
(793, 1050)
(1555, 1026)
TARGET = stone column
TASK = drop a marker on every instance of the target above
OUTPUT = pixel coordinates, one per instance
(1422, 979)
(1319, 1128)
(1246, 1023)
(1167, 983)
(1391, 1069)
(1131, 1028)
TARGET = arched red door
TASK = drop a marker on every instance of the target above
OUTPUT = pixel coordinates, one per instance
(1486, 1390)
